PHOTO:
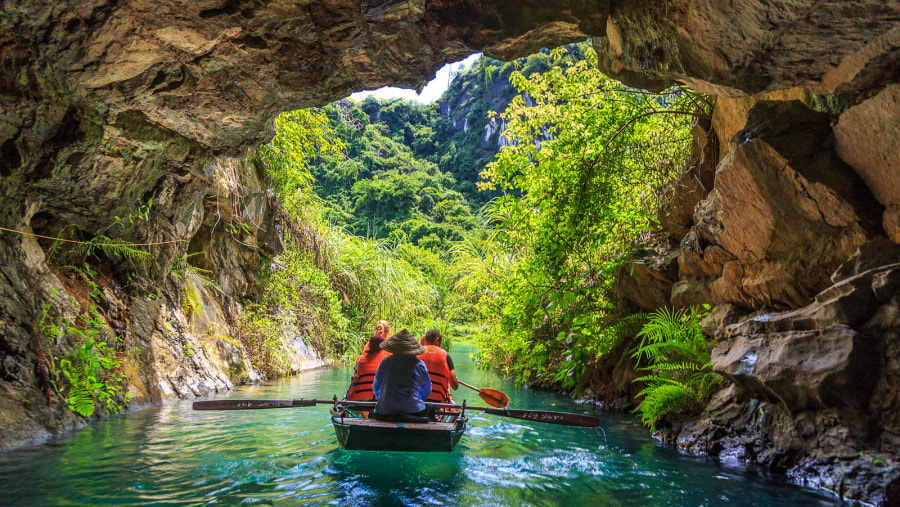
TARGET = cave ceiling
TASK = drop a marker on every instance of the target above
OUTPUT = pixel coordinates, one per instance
(142, 89)
(218, 71)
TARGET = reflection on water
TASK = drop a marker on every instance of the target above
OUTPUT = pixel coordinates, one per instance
(171, 455)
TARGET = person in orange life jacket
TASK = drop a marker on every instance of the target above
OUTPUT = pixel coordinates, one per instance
(401, 381)
(440, 368)
(364, 371)
(383, 328)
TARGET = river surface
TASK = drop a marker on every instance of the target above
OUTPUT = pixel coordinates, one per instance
(171, 455)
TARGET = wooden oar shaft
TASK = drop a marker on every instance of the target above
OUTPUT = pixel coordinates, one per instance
(263, 404)
(564, 418)
(470, 386)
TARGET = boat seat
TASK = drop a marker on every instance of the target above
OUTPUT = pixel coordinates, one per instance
(407, 418)
(414, 419)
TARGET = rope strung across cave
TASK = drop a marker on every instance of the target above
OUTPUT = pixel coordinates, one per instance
(85, 242)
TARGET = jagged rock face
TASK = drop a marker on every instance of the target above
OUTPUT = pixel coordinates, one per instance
(217, 71)
(868, 138)
(815, 391)
(804, 143)
(785, 211)
(827, 376)
(747, 46)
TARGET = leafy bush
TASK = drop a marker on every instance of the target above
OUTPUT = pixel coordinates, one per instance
(71, 245)
(591, 163)
(677, 351)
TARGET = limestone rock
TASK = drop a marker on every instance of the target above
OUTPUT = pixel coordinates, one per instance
(677, 216)
(891, 222)
(647, 280)
(810, 369)
(730, 113)
(867, 138)
(871, 255)
(784, 213)
(748, 47)
(815, 391)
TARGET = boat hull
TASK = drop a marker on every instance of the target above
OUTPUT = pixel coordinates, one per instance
(361, 434)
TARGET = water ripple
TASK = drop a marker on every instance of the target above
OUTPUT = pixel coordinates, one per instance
(171, 455)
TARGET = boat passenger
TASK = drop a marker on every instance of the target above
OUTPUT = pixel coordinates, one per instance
(440, 368)
(364, 371)
(401, 381)
(383, 328)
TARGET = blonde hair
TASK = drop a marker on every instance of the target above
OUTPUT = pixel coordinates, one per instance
(385, 328)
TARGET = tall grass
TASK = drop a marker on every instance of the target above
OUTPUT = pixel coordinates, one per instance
(377, 282)
(331, 283)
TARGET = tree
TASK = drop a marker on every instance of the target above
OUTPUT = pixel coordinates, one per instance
(590, 165)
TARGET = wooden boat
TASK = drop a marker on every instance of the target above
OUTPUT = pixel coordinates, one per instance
(365, 434)
(417, 435)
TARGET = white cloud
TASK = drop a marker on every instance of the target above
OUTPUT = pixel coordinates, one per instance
(432, 91)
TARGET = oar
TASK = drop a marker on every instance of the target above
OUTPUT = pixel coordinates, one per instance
(564, 418)
(492, 397)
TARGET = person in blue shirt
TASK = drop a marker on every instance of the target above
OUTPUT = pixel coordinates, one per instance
(401, 380)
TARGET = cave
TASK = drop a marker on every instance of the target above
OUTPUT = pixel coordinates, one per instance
(110, 106)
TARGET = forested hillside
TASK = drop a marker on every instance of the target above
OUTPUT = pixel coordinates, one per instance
(411, 171)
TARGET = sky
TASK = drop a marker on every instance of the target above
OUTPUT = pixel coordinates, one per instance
(430, 93)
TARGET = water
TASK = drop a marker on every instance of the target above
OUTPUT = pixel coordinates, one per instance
(171, 455)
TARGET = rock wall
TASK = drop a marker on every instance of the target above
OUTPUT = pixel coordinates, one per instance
(791, 243)
(787, 223)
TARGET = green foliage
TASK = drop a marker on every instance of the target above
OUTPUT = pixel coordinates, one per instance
(679, 377)
(388, 182)
(261, 336)
(295, 293)
(71, 246)
(591, 163)
(389, 195)
(192, 275)
(330, 281)
(303, 136)
(381, 280)
(91, 367)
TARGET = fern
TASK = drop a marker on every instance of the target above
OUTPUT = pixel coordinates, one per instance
(118, 247)
(92, 367)
(664, 398)
(186, 271)
(80, 396)
(191, 300)
(68, 244)
(679, 371)
(62, 238)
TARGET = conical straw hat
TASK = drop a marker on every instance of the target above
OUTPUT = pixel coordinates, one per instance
(404, 344)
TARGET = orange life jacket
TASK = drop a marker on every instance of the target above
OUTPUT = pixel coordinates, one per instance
(361, 384)
(435, 359)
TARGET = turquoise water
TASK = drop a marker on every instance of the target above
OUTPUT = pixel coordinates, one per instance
(171, 455)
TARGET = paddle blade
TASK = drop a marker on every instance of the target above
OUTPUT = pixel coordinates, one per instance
(250, 404)
(564, 418)
(494, 398)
